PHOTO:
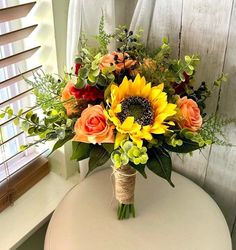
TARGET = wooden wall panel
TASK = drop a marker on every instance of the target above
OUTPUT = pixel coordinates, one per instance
(204, 31)
(220, 179)
(166, 21)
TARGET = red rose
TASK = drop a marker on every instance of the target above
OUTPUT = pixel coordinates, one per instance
(180, 87)
(77, 68)
(89, 93)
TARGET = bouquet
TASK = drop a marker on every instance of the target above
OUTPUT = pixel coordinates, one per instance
(130, 105)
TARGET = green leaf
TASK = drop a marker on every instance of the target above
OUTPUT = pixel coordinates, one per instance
(80, 150)
(160, 163)
(80, 83)
(140, 168)
(96, 72)
(98, 157)
(2, 115)
(187, 147)
(29, 114)
(16, 121)
(23, 147)
(165, 40)
(189, 71)
(34, 118)
(9, 112)
(109, 147)
(91, 77)
(20, 112)
(60, 133)
(181, 76)
(187, 59)
(31, 130)
(83, 73)
(61, 142)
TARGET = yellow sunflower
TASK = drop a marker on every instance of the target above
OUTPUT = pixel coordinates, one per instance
(139, 110)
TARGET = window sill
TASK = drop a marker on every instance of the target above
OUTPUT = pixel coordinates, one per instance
(33, 209)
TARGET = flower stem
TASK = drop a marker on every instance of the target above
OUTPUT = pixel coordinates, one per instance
(125, 211)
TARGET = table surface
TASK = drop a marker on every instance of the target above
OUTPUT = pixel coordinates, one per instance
(180, 218)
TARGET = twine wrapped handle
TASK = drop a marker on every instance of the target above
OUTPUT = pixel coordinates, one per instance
(125, 184)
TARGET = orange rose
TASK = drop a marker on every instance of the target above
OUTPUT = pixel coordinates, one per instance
(191, 117)
(108, 60)
(68, 99)
(92, 126)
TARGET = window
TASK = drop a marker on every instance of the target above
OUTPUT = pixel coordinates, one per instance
(16, 93)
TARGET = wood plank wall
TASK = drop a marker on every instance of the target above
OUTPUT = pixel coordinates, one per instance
(208, 28)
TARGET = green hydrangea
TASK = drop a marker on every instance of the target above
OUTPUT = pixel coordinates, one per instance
(119, 158)
(129, 152)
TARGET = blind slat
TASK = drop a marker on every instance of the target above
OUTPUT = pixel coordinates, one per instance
(11, 138)
(15, 12)
(18, 57)
(19, 152)
(16, 35)
(18, 77)
(15, 98)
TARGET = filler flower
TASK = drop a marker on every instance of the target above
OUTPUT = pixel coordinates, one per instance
(139, 110)
(68, 100)
(191, 117)
(88, 93)
(92, 126)
(118, 59)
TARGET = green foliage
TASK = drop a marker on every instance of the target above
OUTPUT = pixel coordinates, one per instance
(109, 147)
(186, 147)
(103, 38)
(222, 78)
(174, 141)
(80, 150)
(97, 157)
(119, 158)
(129, 42)
(187, 66)
(47, 90)
(160, 163)
(128, 152)
(213, 129)
(59, 143)
(140, 168)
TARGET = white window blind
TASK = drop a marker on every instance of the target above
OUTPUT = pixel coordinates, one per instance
(14, 91)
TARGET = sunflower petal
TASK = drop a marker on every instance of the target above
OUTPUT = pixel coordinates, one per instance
(138, 141)
(119, 138)
(118, 108)
(145, 92)
(128, 123)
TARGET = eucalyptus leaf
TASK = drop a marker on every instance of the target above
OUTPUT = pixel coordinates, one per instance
(80, 83)
(91, 77)
(16, 121)
(31, 130)
(187, 59)
(29, 114)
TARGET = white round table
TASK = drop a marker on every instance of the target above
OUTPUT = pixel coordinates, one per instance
(180, 218)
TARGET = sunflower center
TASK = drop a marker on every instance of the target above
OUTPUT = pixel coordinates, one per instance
(138, 107)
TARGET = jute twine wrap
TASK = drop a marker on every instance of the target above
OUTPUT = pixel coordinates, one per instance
(125, 184)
